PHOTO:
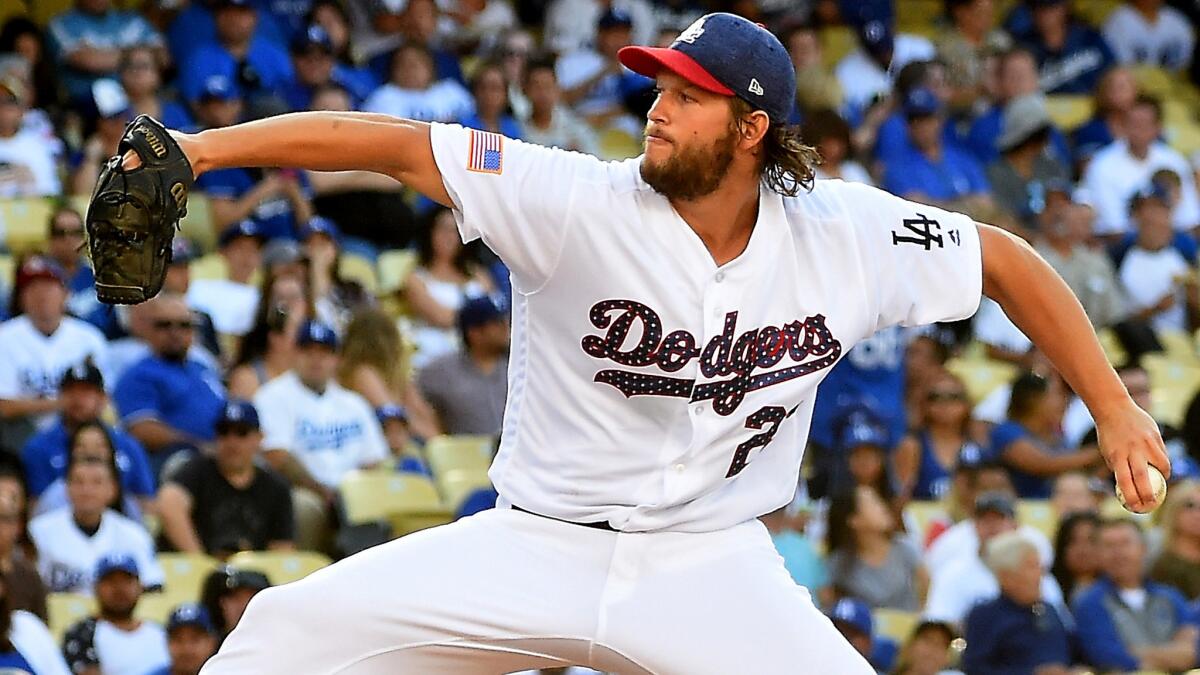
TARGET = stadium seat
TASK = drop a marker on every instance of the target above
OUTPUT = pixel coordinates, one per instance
(357, 268)
(1069, 111)
(23, 223)
(1112, 346)
(921, 513)
(281, 567)
(1180, 347)
(7, 271)
(1094, 12)
(981, 376)
(408, 502)
(616, 145)
(1154, 81)
(458, 484)
(836, 43)
(157, 607)
(185, 572)
(896, 624)
(394, 268)
(65, 609)
(211, 266)
(1038, 514)
(446, 453)
(197, 225)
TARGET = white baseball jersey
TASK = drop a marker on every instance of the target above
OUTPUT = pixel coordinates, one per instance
(31, 363)
(651, 388)
(67, 557)
(330, 433)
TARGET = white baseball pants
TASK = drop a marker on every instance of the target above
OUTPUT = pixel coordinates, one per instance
(505, 591)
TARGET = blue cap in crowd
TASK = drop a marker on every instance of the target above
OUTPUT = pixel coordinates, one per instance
(614, 18)
(864, 433)
(1152, 190)
(313, 332)
(320, 225)
(84, 372)
(116, 562)
(245, 228)
(391, 411)
(182, 251)
(477, 311)
(921, 101)
(854, 613)
(237, 414)
(971, 457)
(190, 614)
(219, 88)
(313, 37)
(728, 55)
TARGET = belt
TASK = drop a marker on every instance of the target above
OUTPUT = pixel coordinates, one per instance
(595, 526)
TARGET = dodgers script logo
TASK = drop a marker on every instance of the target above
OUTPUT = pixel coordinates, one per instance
(806, 343)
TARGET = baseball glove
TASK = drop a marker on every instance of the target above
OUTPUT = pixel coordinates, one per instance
(133, 214)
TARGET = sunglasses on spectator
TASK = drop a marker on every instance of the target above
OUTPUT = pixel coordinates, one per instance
(66, 232)
(1189, 505)
(946, 396)
(167, 324)
(239, 430)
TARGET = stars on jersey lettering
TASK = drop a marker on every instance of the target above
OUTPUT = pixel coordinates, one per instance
(924, 232)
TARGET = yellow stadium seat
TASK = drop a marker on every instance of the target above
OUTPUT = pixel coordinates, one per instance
(1069, 111)
(65, 609)
(446, 453)
(281, 567)
(1038, 514)
(394, 268)
(456, 485)
(8, 272)
(919, 17)
(1154, 81)
(921, 513)
(357, 268)
(896, 624)
(1094, 12)
(981, 376)
(23, 223)
(616, 144)
(185, 572)
(836, 43)
(409, 502)
(1180, 347)
(211, 266)
(197, 225)
(1111, 346)
(157, 607)
(1183, 137)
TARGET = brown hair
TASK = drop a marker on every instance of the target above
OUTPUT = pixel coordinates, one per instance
(788, 164)
(373, 340)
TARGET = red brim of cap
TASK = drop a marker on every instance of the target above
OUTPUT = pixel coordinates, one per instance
(649, 61)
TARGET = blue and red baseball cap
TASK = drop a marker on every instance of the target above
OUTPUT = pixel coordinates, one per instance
(728, 55)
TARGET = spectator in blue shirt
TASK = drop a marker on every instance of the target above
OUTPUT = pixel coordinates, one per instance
(1030, 443)
(316, 65)
(167, 400)
(1070, 55)
(1126, 622)
(82, 397)
(195, 26)
(491, 103)
(142, 81)
(1017, 77)
(891, 139)
(191, 640)
(931, 171)
(1018, 632)
(88, 40)
(260, 69)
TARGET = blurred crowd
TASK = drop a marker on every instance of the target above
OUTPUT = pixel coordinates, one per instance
(954, 512)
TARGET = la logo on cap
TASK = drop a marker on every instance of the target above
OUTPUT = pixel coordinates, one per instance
(692, 32)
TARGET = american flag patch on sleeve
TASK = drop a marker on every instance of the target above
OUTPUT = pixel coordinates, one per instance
(487, 152)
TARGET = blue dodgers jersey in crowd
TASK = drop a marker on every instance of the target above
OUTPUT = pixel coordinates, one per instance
(872, 373)
(274, 216)
(271, 65)
(45, 460)
(1077, 67)
(955, 175)
(187, 396)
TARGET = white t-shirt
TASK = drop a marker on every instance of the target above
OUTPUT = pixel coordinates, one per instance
(443, 101)
(862, 78)
(962, 541)
(993, 327)
(634, 397)
(34, 642)
(1114, 175)
(230, 304)
(30, 150)
(1167, 42)
(32, 363)
(1148, 276)
(136, 652)
(331, 433)
(966, 582)
(67, 557)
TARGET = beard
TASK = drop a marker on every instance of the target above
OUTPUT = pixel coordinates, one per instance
(693, 171)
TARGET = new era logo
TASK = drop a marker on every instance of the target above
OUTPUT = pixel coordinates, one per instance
(755, 87)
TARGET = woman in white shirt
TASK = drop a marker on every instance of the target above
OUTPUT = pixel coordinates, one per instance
(412, 93)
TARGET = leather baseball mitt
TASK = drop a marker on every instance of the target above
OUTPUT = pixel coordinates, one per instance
(133, 214)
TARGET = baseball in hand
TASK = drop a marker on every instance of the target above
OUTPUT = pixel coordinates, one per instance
(1157, 483)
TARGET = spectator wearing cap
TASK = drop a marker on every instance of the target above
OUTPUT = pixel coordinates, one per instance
(891, 138)
(1127, 622)
(71, 539)
(87, 42)
(413, 90)
(316, 65)
(115, 641)
(1155, 274)
(40, 343)
(316, 432)
(191, 640)
(112, 114)
(549, 122)
(974, 474)
(336, 297)
(573, 25)
(26, 645)
(169, 400)
(868, 557)
(594, 83)
(1018, 631)
(219, 103)
(965, 580)
(28, 167)
(864, 442)
(64, 241)
(468, 389)
(45, 454)
(867, 72)
(231, 301)
(1145, 32)
(1125, 167)
(226, 592)
(932, 171)
(1017, 76)
(259, 67)
(852, 618)
(1071, 55)
(1021, 177)
(924, 459)
(1064, 234)
(224, 502)
(141, 77)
